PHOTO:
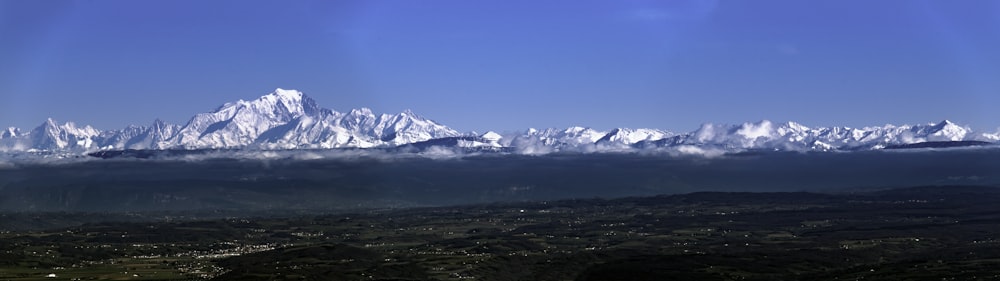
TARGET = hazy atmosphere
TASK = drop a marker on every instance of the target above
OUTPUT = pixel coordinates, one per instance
(508, 65)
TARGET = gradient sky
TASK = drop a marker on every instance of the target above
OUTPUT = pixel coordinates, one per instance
(508, 65)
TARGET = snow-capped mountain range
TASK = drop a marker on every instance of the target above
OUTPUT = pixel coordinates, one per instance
(283, 119)
(288, 119)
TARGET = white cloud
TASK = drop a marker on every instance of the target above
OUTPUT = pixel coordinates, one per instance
(694, 150)
(524, 146)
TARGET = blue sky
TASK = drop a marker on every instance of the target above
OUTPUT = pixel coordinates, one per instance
(508, 65)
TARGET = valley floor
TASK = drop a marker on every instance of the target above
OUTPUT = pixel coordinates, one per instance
(921, 233)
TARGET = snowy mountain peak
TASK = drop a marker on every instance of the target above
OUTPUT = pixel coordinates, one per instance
(947, 131)
(50, 135)
(159, 123)
(945, 125)
(287, 94)
(408, 127)
(795, 126)
(491, 136)
(409, 113)
(631, 136)
(10, 132)
(361, 111)
(49, 122)
(289, 102)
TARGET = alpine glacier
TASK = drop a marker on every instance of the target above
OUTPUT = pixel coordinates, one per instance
(288, 119)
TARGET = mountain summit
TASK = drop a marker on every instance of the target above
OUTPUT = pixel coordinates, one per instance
(289, 119)
(240, 123)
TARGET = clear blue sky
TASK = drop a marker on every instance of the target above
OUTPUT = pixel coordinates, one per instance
(508, 65)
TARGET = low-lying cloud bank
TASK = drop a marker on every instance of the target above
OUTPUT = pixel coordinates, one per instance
(374, 178)
(11, 159)
(434, 152)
